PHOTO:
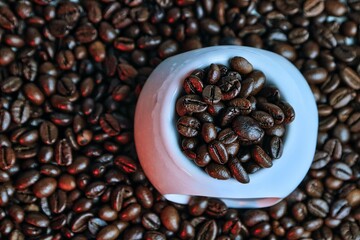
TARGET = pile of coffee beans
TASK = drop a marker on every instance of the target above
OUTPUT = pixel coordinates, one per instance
(231, 123)
(70, 75)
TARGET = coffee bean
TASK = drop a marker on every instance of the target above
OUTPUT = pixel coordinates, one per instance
(208, 230)
(217, 171)
(7, 18)
(260, 157)
(151, 221)
(211, 94)
(298, 35)
(7, 157)
(190, 104)
(63, 153)
(247, 129)
(6, 56)
(274, 111)
(193, 84)
(44, 187)
(350, 77)
(237, 170)
(109, 232)
(264, 119)
(313, 8)
(188, 126)
(241, 65)
(126, 164)
(318, 207)
(131, 212)
(242, 104)
(11, 84)
(20, 111)
(218, 152)
(37, 219)
(341, 171)
(321, 159)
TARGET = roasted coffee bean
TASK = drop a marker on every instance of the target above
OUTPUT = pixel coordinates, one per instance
(126, 164)
(44, 187)
(211, 94)
(7, 157)
(276, 147)
(260, 157)
(350, 77)
(218, 152)
(63, 153)
(247, 129)
(11, 84)
(313, 8)
(5, 119)
(264, 119)
(203, 157)
(274, 111)
(318, 207)
(341, 171)
(8, 19)
(237, 170)
(190, 104)
(217, 171)
(188, 126)
(151, 221)
(20, 111)
(241, 65)
(227, 136)
(242, 104)
(208, 230)
(6, 55)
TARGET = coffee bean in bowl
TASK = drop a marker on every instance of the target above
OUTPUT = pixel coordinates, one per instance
(229, 124)
(251, 120)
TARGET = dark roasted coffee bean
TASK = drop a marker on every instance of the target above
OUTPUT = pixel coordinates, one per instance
(242, 104)
(218, 152)
(341, 171)
(208, 230)
(241, 65)
(7, 157)
(264, 119)
(63, 153)
(26, 179)
(211, 94)
(202, 156)
(20, 111)
(7, 18)
(217, 171)
(227, 136)
(313, 8)
(190, 104)
(11, 84)
(48, 132)
(260, 157)
(6, 55)
(44, 187)
(350, 77)
(193, 84)
(276, 147)
(318, 207)
(247, 129)
(5, 119)
(208, 132)
(237, 170)
(274, 110)
(188, 126)
(37, 219)
(213, 74)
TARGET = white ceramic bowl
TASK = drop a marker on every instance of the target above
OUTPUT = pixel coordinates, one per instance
(177, 177)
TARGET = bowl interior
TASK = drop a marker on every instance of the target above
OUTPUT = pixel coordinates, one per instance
(296, 157)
